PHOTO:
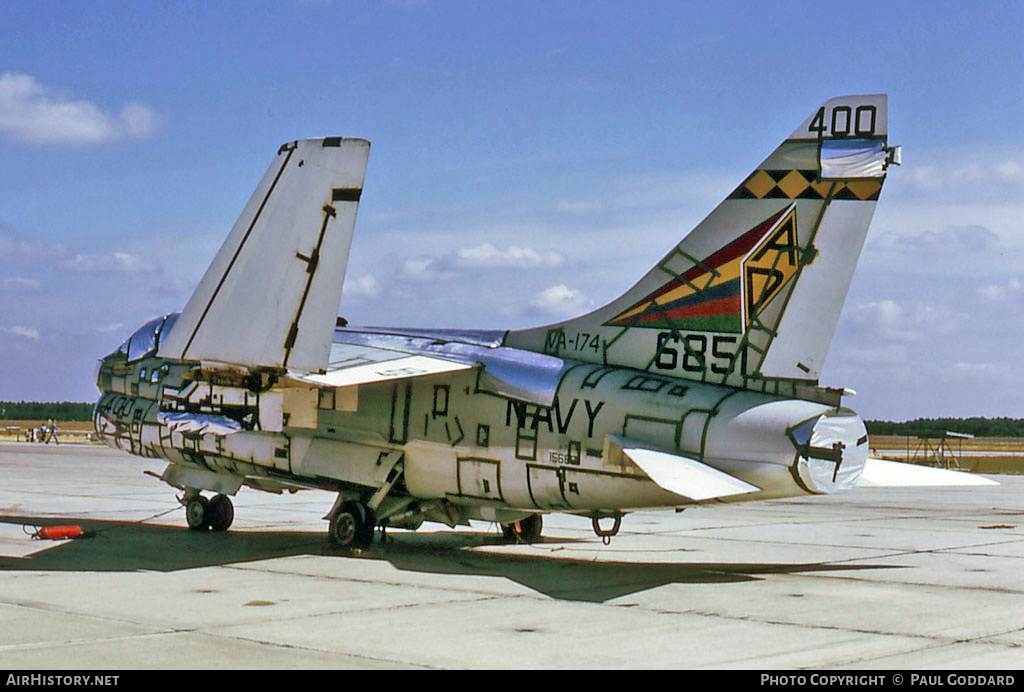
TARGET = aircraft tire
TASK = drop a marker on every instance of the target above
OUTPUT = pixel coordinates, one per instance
(221, 513)
(197, 513)
(349, 527)
(524, 531)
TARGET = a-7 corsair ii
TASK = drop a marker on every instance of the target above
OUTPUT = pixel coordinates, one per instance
(698, 385)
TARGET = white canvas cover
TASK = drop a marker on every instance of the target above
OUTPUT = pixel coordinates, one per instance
(853, 158)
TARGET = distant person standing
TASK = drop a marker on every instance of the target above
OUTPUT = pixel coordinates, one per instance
(52, 426)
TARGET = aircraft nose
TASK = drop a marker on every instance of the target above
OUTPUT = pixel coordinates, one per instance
(833, 449)
(96, 376)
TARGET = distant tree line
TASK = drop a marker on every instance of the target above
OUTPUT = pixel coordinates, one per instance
(44, 410)
(979, 427)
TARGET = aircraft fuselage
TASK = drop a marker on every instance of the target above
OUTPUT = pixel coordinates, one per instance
(490, 456)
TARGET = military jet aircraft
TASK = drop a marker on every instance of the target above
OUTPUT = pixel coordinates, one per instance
(698, 385)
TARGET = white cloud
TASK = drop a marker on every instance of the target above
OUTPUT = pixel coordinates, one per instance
(996, 292)
(956, 170)
(561, 301)
(972, 172)
(116, 263)
(889, 322)
(975, 368)
(925, 177)
(484, 256)
(570, 206)
(23, 332)
(20, 249)
(17, 282)
(950, 241)
(889, 356)
(139, 120)
(1010, 170)
(424, 269)
(487, 255)
(31, 112)
(363, 287)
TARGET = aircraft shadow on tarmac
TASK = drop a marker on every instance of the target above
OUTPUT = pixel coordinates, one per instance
(133, 546)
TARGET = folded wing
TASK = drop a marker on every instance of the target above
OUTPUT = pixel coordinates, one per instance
(270, 297)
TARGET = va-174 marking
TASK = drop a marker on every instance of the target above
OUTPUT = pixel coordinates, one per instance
(697, 385)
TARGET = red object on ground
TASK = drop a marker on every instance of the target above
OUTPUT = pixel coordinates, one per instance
(56, 533)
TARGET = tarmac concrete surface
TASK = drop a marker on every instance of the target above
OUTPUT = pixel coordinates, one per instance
(875, 578)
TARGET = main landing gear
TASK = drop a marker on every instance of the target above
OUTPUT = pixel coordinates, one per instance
(353, 521)
(203, 514)
(525, 530)
(352, 525)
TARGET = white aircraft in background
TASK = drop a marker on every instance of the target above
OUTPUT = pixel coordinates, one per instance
(698, 385)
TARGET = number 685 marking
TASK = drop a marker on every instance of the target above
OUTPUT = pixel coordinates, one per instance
(861, 121)
(695, 354)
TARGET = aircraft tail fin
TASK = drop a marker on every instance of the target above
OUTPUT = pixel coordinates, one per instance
(752, 295)
(270, 297)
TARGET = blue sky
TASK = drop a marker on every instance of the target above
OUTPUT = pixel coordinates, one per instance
(529, 160)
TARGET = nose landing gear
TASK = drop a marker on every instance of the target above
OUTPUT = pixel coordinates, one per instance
(197, 509)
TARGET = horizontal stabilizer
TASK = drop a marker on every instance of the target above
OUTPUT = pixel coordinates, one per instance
(682, 475)
(879, 473)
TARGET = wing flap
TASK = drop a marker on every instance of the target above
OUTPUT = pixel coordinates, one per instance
(355, 364)
(398, 368)
(507, 372)
(681, 475)
(879, 473)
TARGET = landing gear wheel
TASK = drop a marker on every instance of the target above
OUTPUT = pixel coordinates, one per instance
(525, 530)
(197, 513)
(221, 513)
(352, 526)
